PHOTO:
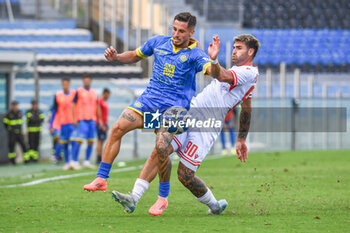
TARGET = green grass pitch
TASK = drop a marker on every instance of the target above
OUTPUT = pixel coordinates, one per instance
(272, 192)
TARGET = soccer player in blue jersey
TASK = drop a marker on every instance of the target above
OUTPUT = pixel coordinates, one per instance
(177, 59)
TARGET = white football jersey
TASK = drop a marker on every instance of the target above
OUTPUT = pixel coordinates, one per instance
(215, 101)
(220, 97)
(225, 95)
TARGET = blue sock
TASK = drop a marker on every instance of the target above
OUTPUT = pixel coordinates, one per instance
(222, 137)
(76, 149)
(88, 152)
(58, 148)
(232, 136)
(103, 170)
(66, 152)
(164, 189)
(72, 145)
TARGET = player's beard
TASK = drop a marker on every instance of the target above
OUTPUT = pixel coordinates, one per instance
(235, 60)
(182, 42)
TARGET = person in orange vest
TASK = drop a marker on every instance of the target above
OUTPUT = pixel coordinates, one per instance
(62, 110)
(84, 111)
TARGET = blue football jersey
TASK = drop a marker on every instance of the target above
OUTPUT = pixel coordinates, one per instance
(174, 71)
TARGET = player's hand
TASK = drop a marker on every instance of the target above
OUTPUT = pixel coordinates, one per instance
(75, 123)
(52, 130)
(104, 128)
(214, 48)
(111, 54)
(242, 150)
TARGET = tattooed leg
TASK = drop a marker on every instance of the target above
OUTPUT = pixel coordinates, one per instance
(128, 116)
(150, 169)
(189, 179)
(163, 143)
(129, 120)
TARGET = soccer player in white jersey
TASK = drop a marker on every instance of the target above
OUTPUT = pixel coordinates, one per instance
(235, 88)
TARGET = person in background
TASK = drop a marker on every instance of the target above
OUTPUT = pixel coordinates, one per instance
(84, 111)
(102, 131)
(230, 125)
(62, 110)
(13, 124)
(54, 128)
(34, 120)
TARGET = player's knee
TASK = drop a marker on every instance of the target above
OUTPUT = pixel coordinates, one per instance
(117, 130)
(162, 149)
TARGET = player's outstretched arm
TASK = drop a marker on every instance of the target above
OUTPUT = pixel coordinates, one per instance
(216, 70)
(244, 124)
(125, 58)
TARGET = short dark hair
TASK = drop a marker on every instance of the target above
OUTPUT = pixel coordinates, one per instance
(14, 102)
(250, 41)
(187, 17)
(65, 79)
(106, 90)
(86, 76)
(34, 101)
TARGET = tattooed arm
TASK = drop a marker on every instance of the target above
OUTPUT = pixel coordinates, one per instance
(244, 124)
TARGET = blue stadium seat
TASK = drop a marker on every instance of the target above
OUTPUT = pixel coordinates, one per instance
(302, 46)
(59, 24)
(11, 1)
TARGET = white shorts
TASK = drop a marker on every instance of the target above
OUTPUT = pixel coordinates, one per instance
(192, 147)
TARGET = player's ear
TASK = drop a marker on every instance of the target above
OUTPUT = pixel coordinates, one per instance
(250, 52)
(192, 32)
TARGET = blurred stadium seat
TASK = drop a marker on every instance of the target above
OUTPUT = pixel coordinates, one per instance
(34, 24)
(333, 14)
(326, 47)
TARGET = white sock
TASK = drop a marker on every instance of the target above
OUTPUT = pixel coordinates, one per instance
(140, 187)
(209, 200)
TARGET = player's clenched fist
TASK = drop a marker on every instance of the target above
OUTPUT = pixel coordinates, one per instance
(111, 54)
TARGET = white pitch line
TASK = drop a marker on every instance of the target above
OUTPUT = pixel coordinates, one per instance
(63, 177)
(40, 181)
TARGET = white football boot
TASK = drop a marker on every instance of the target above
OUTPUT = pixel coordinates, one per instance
(87, 164)
(66, 167)
(75, 165)
(222, 205)
(126, 200)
